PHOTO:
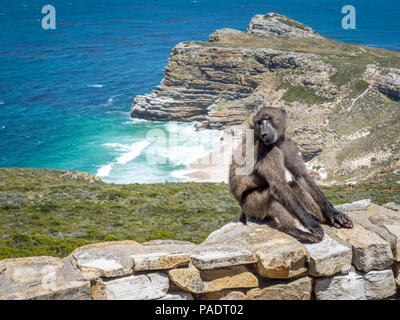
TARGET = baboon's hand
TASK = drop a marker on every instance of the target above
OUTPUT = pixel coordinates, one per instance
(316, 229)
(339, 220)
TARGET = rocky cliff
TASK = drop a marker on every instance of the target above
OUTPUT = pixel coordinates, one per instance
(254, 262)
(343, 99)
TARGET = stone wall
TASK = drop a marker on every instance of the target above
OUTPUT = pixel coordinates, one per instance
(235, 262)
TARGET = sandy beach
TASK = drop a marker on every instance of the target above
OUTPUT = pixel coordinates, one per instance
(213, 167)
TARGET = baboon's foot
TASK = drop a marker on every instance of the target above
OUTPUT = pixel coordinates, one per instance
(315, 228)
(243, 218)
(339, 219)
(302, 236)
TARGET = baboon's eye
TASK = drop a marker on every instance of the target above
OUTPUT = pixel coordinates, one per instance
(259, 122)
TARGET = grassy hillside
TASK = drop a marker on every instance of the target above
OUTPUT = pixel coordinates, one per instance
(51, 212)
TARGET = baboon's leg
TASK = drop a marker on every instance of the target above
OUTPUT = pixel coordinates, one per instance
(295, 163)
(243, 218)
(334, 217)
(260, 204)
(255, 204)
(307, 200)
(287, 224)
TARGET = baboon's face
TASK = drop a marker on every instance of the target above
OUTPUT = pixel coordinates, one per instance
(269, 124)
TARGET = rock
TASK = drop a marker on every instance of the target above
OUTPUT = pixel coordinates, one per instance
(72, 290)
(198, 77)
(384, 222)
(221, 33)
(356, 205)
(392, 206)
(370, 251)
(106, 259)
(356, 286)
(162, 255)
(348, 286)
(140, 286)
(299, 289)
(224, 295)
(328, 257)
(223, 254)
(195, 281)
(395, 168)
(379, 284)
(273, 24)
(389, 84)
(24, 273)
(279, 256)
(177, 295)
(230, 231)
(396, 268)
(37, 276)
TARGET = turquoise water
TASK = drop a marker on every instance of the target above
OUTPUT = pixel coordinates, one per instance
(65, 94)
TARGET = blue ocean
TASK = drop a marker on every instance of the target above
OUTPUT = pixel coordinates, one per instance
(65, 94)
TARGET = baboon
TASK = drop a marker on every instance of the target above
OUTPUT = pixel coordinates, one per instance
(278, 186)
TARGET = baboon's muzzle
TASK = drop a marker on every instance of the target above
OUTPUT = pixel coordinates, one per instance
(267, 132)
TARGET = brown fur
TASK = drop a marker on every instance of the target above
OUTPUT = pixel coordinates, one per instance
(265, 192)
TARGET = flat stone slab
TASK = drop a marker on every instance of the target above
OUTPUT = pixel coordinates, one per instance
(73, 290)
(370, 251)
(355, 205)
(348, 286)
(223, 254)
(25, 273)
(379, 284)
(299, 289)
(106, 259)
(141, 286)
(162, 254)
(355, 285)
(328, 257)
(229, 231)
(279, 256)
(196, 281)
(384, 222)
(392, 206)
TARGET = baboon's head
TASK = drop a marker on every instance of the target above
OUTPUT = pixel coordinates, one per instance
(269, 124)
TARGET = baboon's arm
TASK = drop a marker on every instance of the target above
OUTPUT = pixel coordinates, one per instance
(240, 185)
(295, 163)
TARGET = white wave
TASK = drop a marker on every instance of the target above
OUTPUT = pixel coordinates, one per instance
(104, 171)
(1, 102)
(135, 150)
(96, 85)
(119, 146)
(135, 120)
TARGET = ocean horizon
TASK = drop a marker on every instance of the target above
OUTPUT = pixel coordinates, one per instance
(66, 94)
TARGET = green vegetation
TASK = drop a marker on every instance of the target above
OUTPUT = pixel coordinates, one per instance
(292, 23)
(301, 94)
(52, 212)
(359, 86)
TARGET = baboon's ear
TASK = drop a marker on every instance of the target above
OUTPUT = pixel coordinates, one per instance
(283, 109)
